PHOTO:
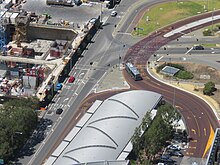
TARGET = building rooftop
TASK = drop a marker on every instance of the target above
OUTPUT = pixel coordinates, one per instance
(108, 131)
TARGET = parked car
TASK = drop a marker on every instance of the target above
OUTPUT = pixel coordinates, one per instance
(167, 160)
(198, 47)
(113, 13)
(177, 153)
(59, 86)
(71, 79)
(59, 111)
(174, 147)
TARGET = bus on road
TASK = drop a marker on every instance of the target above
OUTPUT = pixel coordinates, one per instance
(132, 70)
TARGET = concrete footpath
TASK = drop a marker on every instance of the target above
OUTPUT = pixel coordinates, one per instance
(112, 80)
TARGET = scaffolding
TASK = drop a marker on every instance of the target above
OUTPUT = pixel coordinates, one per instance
(3, 34)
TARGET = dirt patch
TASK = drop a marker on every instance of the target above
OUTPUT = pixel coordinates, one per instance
(200, 72)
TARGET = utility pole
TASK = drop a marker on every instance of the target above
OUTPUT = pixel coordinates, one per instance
(101, 12)
(212, 15)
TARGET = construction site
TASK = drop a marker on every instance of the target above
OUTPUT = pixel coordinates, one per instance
(36, 54)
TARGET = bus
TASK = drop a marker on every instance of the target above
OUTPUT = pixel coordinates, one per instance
(60, 2)
(132, 70)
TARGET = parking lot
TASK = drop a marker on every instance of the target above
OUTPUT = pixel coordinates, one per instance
(174, 153)
(76, 14)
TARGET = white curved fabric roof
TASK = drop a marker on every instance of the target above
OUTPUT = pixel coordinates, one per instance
(111, 127)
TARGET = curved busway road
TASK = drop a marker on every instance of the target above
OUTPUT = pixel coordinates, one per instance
(199, 117)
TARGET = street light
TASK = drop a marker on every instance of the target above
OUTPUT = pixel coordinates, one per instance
(101, 12)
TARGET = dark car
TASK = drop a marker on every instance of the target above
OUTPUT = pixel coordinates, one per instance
(177, 153)
(169, 160)
(59, 111)
(198, 47)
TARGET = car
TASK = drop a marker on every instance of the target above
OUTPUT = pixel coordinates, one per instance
(174, 147)
(71, 79)
(59, 86)
(177, 153)
(198, 47)
(165, 156)
(169, 160)
(59, 111)
(114, 13)
(92, 20)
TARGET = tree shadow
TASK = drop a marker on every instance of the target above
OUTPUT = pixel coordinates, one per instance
(37, 137)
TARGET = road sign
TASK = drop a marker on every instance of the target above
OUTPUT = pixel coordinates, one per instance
(1, 161)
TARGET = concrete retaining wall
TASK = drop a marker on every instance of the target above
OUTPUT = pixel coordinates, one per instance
(47, 33)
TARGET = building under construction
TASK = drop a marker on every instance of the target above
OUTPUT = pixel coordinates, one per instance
(39, 55)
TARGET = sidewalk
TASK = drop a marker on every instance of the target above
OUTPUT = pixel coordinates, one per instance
(112, 80)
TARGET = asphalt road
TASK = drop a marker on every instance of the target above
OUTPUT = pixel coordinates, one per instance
(104, 51)
(199, 118)
(208, 56)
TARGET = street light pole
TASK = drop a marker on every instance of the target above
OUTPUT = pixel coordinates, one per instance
(101, 12)
(212, 15)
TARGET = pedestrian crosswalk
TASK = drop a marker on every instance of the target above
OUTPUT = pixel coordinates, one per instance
(53, 107)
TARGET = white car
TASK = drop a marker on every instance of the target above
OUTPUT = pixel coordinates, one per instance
(113, 13)
(174, 147)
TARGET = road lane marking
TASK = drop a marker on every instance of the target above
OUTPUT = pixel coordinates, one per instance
(178, 107)
(192, 147)
(210, 140)
(189, 153)
(65, 99)
(194, 131)
(188, 50)
(194, 141)
(159, 59)
(205, 131)
(78, 115)
(197, 124)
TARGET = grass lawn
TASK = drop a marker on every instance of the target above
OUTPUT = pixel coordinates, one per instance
(166, 13)
(209, 45)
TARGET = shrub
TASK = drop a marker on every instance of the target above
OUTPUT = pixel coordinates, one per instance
(184, 75)
(207, 32)
(178, 66)
(159, 68)
(209, 88)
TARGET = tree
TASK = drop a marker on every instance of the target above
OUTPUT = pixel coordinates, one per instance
(169, 114)
(209, 88)
(136, 141)
(17, 121)
(146, 121)
(156, 136)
